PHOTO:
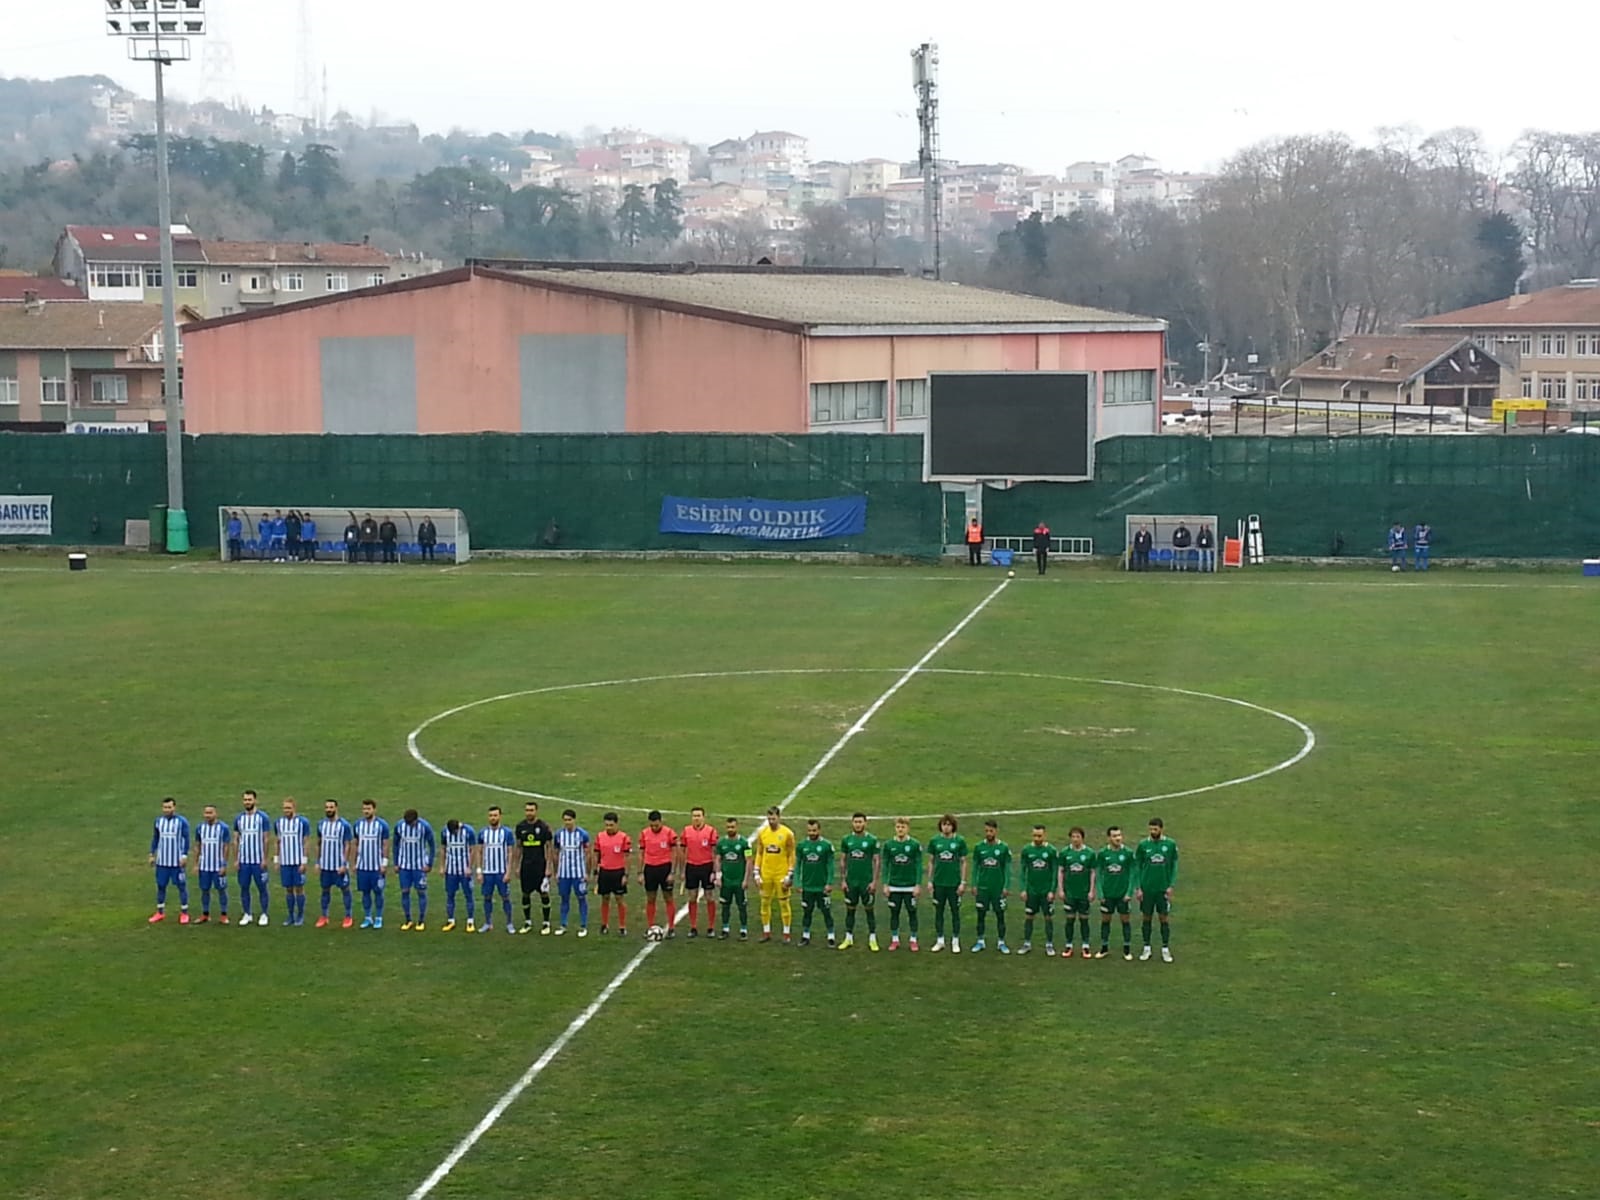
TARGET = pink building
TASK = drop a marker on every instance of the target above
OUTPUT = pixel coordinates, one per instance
(594, 349)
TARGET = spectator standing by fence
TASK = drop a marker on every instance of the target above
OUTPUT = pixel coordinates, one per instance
(974, 543)
(280, 534)
(1206, 543)
(389, 535)
(235, 537)
(308, 538)
(1041, 546)
(1420, 538)
(1182, 539)
(264, 538)
(1143, 542)
(427, 538)
(292, 526)
(1397, 547)
(369, 538)
(352, 541)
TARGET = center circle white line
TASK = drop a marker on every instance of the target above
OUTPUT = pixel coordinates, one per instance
(1308, 743)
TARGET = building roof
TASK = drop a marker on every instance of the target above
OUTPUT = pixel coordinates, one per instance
(75, 326)
(812, 298)
(134, 243)
(322, 254)
(15, 287)
(791, 299)
(1366, 359)
(1575, 303)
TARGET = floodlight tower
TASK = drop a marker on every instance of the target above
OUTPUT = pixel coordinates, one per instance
(159, 32)
(925, 81)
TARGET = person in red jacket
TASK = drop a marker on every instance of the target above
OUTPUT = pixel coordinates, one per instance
(1041, 545)
(974, 543)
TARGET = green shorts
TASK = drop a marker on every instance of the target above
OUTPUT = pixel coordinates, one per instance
(854, 895)
(816, 899)
(732, 893)
(1154, 902)
(946, 893)
(1037, 906)
(1075, 904)
(986, 900)
(1113, 904)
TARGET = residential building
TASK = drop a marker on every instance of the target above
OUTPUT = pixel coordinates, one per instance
(670, 158)
(1447, 369)
(871, 176)
(1553, 337)
(219, 278)
(81, 361)
(637, 348)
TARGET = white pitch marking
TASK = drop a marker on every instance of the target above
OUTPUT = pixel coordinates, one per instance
(1307, 746)
(572, 1030)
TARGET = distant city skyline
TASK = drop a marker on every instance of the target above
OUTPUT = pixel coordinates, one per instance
(1035, 89)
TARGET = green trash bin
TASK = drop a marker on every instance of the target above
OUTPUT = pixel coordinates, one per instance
(177, 531)
(158, 528)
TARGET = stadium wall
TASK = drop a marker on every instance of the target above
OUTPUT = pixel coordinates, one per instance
(604, 491)
(1485, 497)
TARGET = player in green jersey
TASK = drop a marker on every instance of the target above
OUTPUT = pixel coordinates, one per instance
(902, 871)
(815, 859)
(1039, 865)
(1113, 874)
(1156, 863)
(733, 874)
(1077, 888)
(947, 879)
(858, 852)
(991, 884)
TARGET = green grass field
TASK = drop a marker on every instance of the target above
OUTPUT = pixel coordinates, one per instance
(1387, 964)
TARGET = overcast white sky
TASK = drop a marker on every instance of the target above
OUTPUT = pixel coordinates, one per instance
(1037, 84)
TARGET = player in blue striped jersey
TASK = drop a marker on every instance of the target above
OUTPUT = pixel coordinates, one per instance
(494, 868)
(459, 840)
(169, 854)
(413, 859)
(250, 829)
(372, 863)
(334, 836)
(292, 832)
(211, 839)
(572, 870)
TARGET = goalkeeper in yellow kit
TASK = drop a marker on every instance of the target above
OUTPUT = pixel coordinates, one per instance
(775, 852)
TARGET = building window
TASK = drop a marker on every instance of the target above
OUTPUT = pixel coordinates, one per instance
(228, 310)
(108, 389)
(294, 281)
(1553, 387)
(255, 283)
(1365, 394)
(375, 279)
(1129, 387)
(1525, 344)
(110, 275)
(52, 391)
(224, 278)
(188, 277)
(1552, 345)
(1527, 387)
(911, 398)
(857, 401)
(1584, 387)
(1586, 345)
(339, 282)
(8, 392)
(152, 277)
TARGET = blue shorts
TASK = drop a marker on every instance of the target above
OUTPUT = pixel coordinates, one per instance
(572, 887)
(413, 879)
(252, 873)
(496, 883)
(292, 877)
(335, 879)
(369, 881)
(213, 879)
(457, 883)
(166, 876)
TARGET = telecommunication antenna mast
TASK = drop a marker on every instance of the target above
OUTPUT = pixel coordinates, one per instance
(305, 69)
(925, 81)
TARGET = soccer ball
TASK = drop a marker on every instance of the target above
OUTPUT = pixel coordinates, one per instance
(1394, 568)
(655, 934)
(1011, 574)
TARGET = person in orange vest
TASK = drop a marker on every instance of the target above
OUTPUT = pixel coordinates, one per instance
(1041, 545)
(974, 543)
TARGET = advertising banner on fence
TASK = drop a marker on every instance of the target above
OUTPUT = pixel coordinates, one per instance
(766, 520)
(25, 516)
(114, 427)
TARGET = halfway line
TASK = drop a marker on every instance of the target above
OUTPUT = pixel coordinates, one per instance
(492, 1117)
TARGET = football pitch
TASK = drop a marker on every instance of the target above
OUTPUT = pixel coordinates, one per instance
(1387, 962)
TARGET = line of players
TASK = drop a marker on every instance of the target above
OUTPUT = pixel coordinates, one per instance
(723, 867)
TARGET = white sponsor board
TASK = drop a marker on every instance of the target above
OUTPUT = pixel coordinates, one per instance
(25, 516)
(109, 427)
